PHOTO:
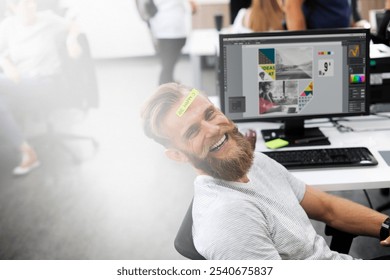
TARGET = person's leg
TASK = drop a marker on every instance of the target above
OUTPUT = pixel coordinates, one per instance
(29, 159)
(169, 53)
(30, 95)
(12, 133)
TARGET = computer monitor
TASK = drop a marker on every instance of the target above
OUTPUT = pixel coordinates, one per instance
(290, 76)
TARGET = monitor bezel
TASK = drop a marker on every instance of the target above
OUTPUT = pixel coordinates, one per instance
(310, 32)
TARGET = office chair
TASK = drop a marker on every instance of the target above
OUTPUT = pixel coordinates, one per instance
(341, 241)
(184, 244)
(385, 206)
(79, 92)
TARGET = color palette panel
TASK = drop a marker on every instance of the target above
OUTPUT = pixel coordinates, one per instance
(357, 78)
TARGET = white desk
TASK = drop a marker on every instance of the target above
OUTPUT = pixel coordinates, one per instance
(371, 133)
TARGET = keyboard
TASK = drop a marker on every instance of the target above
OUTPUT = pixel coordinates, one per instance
(324, 158)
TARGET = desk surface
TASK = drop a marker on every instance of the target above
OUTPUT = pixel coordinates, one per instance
(370, 131)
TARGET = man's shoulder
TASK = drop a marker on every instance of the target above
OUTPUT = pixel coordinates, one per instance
(260, 159)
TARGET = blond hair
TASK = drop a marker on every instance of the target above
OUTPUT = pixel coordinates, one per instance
(156, 108)
(265, 15)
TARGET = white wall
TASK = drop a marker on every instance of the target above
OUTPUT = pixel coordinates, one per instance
(113, 27)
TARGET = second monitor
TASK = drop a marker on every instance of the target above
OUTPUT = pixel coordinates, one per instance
(292, 76)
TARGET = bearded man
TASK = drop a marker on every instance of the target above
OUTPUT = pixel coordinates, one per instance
(247, 206)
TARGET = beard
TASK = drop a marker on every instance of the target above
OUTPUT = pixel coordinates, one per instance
(232, 168)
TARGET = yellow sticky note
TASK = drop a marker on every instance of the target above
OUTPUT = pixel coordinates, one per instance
(276, 143)
(187, 102)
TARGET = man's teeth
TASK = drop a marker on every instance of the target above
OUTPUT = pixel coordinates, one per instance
(217, 145)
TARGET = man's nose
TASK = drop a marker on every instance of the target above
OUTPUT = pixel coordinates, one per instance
(210, 129)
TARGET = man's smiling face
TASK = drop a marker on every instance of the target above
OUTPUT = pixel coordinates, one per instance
(204, 136)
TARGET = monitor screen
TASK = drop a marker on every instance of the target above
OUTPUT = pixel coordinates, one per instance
(291, 76)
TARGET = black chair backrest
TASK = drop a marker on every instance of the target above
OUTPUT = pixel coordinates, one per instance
(184, 243)
(81, 88)
(341, 241)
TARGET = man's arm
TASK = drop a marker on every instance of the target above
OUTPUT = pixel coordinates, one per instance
(194, 6)
(295, 19)
(343, 214)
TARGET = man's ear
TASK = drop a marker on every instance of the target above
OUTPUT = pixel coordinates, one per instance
(176, 155)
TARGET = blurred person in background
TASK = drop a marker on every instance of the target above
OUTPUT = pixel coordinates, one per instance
(30, 61)
(11, 133)
(169, 28)
(382, 28)
(316, 14)
(356, 18)
(235, 6)
(262, 15)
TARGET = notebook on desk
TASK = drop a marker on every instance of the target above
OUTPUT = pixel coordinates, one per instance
(386, 156)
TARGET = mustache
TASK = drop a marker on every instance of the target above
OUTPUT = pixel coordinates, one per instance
(226, 129)
(229, 169)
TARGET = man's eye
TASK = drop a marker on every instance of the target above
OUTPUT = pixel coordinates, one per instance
(191, 133)
(210, 114)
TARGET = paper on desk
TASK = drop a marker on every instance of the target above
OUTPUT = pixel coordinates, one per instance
(370, 123)
(386, 156)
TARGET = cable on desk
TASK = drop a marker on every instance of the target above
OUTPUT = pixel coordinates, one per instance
(343, 128)
(368, 199)
(340, 127)
(382, 117)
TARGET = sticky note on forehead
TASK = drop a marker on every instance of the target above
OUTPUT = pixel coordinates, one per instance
(187, 102)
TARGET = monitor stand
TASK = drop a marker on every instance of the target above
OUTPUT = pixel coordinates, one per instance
(295, 130)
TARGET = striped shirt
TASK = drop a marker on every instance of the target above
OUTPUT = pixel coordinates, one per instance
(261, 219)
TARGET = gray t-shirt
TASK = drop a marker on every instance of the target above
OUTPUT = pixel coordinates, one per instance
(261, 219)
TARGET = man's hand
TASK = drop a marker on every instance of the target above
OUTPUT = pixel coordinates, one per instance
(251, 136)
(362, 24)
(386, 242)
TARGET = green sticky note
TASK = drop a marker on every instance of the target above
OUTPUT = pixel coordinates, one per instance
(276, 143)
(187, 102)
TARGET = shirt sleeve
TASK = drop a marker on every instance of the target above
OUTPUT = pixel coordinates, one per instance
(236, 232)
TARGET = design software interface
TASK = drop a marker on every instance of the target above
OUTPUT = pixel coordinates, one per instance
(295, 75)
